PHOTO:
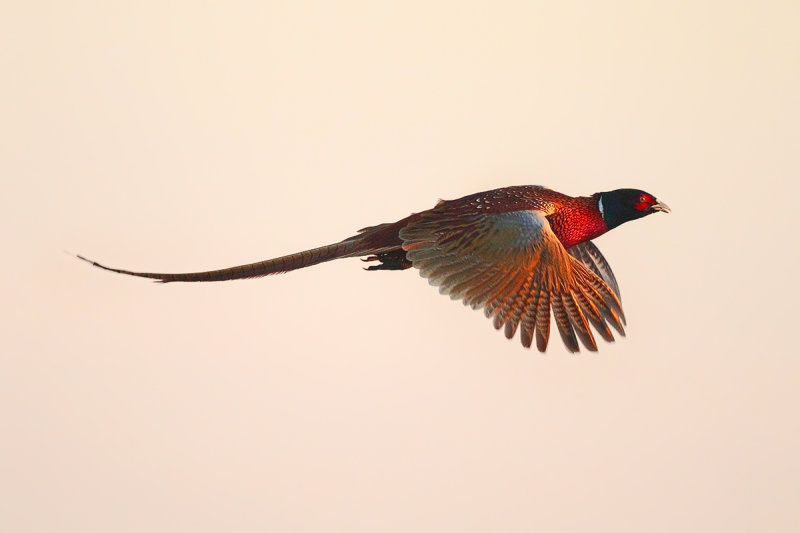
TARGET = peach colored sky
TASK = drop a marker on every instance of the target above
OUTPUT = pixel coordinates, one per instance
(190, 136)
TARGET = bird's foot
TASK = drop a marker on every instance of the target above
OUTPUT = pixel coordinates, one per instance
(389, 261)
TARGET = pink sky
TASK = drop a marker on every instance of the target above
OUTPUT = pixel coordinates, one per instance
(190, 136)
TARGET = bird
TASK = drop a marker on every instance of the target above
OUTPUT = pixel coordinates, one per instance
(519, 253)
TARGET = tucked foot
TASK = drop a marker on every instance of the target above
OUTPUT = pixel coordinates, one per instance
(389, 261)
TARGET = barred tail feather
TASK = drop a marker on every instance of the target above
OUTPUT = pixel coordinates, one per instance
(353, 247)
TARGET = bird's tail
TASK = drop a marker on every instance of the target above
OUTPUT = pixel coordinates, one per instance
(374, 240)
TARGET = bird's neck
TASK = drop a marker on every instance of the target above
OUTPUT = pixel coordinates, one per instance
(578, 220)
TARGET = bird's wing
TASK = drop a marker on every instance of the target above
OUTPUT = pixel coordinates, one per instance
(588, 254)
(514, 266)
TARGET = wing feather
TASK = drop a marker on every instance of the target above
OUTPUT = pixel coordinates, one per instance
(588, 254)
(517, 308)
(514, 267)
(579, 322)
(591, 312)
(543, 321)
(528, 323)
(563, 323)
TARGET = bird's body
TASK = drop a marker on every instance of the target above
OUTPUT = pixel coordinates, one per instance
(516, 252)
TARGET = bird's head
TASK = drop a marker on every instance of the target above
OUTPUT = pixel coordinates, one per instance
(621, 205)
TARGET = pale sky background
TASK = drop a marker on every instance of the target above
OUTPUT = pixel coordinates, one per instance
(196, 135)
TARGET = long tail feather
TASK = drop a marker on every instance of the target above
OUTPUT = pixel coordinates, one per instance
(359, 245)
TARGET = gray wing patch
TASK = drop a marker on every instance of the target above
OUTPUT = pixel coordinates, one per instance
(588, 254)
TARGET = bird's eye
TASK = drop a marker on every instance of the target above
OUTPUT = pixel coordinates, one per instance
(642, 199)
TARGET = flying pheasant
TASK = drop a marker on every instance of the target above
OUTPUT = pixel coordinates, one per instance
(516, 252)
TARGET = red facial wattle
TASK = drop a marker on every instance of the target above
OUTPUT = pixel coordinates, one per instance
(644, 202)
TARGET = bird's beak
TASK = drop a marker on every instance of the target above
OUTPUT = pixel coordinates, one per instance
(661, 206)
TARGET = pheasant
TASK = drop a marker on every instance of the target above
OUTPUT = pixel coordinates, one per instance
(517, 252)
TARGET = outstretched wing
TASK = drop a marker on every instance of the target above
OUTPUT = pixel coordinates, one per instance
(514, 267)
(588, 254)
